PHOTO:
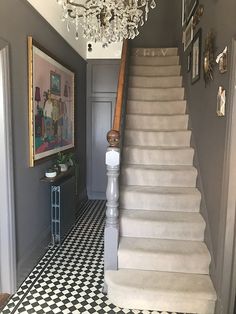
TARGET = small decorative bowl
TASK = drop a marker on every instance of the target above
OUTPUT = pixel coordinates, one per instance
(50, 174)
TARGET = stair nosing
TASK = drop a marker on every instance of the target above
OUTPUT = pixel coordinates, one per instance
(124, 240)
(141, 147)
(158, 115)
(166, 190)
(210, 296)
(158, 66)
(159, 130)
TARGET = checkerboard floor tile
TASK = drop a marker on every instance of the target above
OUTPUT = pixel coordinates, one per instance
(69, 278)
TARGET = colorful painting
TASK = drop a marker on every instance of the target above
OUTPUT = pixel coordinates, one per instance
(51, 105)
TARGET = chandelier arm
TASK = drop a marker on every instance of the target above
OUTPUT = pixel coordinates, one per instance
(76, 4)
(73, 16)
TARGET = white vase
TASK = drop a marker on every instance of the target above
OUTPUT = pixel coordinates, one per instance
(63, 167)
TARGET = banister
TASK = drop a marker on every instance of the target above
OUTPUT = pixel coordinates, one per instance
(114, 134)
(111, 233)
(120, 89)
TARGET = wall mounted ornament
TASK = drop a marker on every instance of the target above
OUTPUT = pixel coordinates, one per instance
(222, 60)
(197, 15)
(221, 101)
(208, 58)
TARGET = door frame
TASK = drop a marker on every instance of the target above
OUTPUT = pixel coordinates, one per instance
(228, 271)
(7, 209)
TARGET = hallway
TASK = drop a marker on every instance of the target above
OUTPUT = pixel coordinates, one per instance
(69, 278)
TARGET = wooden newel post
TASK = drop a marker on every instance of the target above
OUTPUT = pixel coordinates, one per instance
(112, 194)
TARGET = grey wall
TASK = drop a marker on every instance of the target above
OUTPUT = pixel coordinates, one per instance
(102, 80)
(18, 20)
(210, 130)
(161, 28)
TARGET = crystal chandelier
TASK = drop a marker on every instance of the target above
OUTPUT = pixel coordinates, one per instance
(106, 20)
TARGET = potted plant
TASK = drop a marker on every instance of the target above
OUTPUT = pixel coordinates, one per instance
(62, 161)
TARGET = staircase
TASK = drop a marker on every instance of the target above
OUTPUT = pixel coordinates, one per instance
(163, 262)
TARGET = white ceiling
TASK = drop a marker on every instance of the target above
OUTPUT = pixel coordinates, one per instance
(51, 11)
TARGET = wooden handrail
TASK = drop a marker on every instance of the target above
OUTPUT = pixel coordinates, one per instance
(120, 89)
(111, 235)
(113, 136)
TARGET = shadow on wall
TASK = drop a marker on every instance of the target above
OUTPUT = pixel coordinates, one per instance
(162, 26)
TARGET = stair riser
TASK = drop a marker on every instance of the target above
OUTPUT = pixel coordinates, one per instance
(151, 82)
(145, 107)
(182, 263)
(131, 298)
(161, 139)
(151, 94)
(152, 52)
(182, 178)
(154, 70)
(160, 202)
(169, 60)
(168, 123)
(158, 157)
(162, 230)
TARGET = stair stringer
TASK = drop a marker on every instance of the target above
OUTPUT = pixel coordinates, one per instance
(203, 207)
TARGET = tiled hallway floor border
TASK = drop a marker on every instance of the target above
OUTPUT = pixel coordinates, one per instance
(69, 278)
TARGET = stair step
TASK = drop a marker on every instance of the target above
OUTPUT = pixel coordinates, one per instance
(157, 138)
(163, 94)
(160, 198)
(147, 70)
(157, 82)
(157, 122)
(152, 52)
(148, 155)
(161, 291)
(167, 60)
(173, 176)
(156, 107)
(163, 255)
(162, 225)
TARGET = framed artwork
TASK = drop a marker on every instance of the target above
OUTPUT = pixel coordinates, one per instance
(188, 35)
(55, 83)
(189, 61)
(188, 9)
(196, 56)
(51, 104)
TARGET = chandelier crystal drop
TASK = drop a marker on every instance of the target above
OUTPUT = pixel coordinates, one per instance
(106, 21)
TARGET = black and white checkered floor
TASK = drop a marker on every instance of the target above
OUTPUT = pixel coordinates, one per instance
(69, 278)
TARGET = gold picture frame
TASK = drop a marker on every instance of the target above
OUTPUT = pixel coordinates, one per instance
(51, 91)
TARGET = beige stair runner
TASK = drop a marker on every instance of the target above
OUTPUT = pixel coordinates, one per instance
(162, 258)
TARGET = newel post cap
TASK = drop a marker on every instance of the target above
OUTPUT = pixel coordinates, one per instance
(113, 157)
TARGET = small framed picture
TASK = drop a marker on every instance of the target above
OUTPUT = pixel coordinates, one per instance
(55, 83)
(188, 9)
(196, 57)
(188, 35)
(189, 61)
